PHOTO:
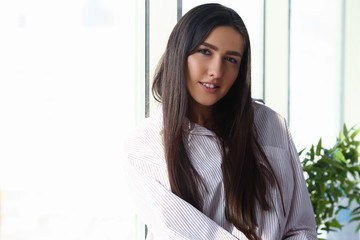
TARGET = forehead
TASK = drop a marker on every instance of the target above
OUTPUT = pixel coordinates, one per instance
(226, 38)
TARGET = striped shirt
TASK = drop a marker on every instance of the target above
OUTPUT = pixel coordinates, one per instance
(170, 217)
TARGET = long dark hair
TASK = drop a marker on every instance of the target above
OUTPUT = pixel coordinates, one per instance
(247, 173)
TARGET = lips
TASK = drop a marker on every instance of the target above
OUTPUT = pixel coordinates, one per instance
(209, 85)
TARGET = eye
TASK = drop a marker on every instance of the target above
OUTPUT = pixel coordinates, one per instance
(204, 51)
(232, 60)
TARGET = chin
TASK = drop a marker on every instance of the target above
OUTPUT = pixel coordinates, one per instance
(207, 104)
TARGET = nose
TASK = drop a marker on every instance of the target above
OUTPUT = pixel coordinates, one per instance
(216, 68)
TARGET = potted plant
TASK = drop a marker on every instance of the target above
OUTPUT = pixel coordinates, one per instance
(332, 176)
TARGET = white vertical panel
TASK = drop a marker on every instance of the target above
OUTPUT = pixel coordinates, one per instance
(276, 55)
(163, 18)
(315, 71)
(352, 63)
(139, 54)
(252, 14)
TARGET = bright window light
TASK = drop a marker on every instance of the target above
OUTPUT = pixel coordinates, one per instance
(67, 99)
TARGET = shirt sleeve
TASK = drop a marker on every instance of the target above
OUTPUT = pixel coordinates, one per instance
(167, 215)
(301, 221)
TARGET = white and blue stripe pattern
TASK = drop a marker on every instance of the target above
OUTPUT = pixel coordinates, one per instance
(170, 217)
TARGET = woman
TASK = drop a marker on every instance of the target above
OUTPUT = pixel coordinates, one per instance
(212, 163)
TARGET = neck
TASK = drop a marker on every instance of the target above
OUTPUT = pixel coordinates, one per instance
(200, 114)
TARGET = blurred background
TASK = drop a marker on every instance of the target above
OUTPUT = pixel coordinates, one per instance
(75, 78)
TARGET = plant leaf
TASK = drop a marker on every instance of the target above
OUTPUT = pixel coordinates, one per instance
(355, 219)
(339, 156)
(342, 137)
(355, 211)
(302, 151)
(345, 130)
(335, 223)
(353, 135)
(318, 148)
(312, 152)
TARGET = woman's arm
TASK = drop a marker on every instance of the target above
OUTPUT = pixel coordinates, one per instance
(301, 221)
(167, 215)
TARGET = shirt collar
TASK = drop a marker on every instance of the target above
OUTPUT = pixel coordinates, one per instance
(189, 127)
(196, 129)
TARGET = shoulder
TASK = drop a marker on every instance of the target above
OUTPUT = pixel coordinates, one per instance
(263, 113)
(271, 127)
(147, 128)
(145, 141)
(144, 150)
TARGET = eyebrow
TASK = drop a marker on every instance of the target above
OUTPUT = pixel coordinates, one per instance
(234, 53)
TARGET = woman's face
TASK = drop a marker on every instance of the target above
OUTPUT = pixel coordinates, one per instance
(213, 67)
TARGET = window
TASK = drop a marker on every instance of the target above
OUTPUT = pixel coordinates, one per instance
(67, 99)
(75, 76)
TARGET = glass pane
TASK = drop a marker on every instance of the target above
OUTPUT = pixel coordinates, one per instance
(66, 101)
(315, 71)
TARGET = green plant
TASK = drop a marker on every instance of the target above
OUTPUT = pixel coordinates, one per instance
(332, 176)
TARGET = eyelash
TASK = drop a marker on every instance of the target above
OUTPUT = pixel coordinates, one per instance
(208, 52)
(204, 51)
(232, 60)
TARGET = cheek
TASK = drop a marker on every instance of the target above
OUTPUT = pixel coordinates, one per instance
(190, 75)
(232, 77)
(193, 69)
